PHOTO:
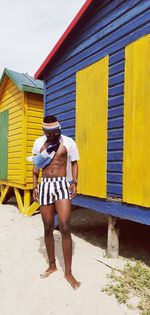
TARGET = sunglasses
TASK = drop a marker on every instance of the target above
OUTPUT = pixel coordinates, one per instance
(52, 134)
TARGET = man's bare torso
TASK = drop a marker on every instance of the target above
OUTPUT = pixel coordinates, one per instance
(58, 165)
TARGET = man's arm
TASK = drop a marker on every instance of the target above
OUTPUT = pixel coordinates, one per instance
(73, 186)
(35, 172)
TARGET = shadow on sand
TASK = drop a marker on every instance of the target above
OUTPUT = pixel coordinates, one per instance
(134, 239)
(58, 249)
(92, 227)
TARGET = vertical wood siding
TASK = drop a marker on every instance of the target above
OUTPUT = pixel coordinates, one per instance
(4, 144)
(136, 162)
(34, 127)
(12, 100)
(107, 29)
(91, 128)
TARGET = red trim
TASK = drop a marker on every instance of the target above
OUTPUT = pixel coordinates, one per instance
(39, 73)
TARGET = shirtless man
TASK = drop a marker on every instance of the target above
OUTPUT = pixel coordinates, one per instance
(55, 192)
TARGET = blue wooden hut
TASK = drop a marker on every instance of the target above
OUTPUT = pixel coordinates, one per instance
(97, 82)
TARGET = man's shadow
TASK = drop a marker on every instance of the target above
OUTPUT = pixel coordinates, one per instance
(58, 249)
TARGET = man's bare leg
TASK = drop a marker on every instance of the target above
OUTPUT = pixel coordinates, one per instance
(47, 213)
(63, 208)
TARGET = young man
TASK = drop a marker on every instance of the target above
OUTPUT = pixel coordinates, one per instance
(55, 192)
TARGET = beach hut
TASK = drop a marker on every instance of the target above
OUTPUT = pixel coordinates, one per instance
(21, 113)
(97, 82)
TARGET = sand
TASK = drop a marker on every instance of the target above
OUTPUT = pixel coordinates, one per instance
(23, 258)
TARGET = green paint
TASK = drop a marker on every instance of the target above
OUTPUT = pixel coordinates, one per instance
(3, 145)
(18, 79)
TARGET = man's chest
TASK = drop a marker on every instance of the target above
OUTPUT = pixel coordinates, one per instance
(61, 152)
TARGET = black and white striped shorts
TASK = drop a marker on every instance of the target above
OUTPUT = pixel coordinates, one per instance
(52, 189)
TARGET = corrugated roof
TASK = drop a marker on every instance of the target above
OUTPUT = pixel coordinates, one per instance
(24, 82)
(40, 71)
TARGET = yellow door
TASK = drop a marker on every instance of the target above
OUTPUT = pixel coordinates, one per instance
(91, 127)
(136, 157)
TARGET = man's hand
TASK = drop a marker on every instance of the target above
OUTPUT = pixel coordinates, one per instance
(73, 189)
(35, 194)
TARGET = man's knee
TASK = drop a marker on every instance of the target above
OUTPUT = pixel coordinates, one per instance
(64, 229)
(48, 229)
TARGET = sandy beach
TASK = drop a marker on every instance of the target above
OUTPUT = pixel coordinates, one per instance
(23, 258)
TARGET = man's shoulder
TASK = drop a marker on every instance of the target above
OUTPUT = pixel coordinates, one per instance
(40, 139)
(67, 139)
(71, 147)
(38, 143)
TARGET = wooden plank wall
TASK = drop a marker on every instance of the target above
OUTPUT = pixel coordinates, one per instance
(136, 166)
(4, 145)
(12, 100)
(34, 126)
(106, 30)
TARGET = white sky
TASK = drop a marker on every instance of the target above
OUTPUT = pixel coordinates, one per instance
(29, 29)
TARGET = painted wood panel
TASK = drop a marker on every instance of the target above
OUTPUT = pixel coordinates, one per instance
(15, 139)
(115, 124)
(91, 127)
(136, 166)
(34, 127)
(4, 145)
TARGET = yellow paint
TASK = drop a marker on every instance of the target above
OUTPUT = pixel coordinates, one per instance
(32, 209)
(24, 205)
(4, 191)
(16, 126)
(136, 158)
(24, 126)
(34, 127)
(19, 200)
(26, 199)
(24, 133)
(12, 184)
(91, 127)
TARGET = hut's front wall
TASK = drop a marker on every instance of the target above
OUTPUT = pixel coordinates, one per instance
(11, 102)
(108, 28)
(34, 128)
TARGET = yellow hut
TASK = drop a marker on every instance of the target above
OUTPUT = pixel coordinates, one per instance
(21, 114)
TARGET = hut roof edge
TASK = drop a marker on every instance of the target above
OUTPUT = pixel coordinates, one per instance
(73, 24)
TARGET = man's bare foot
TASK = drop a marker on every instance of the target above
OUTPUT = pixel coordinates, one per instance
(73, 282)
(49, 271)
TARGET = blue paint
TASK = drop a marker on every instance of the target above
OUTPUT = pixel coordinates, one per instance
(101, 25)
(114, 189)
(61, 92)
(115, 156)
(116, 57)
(115, 144)
(115, 101)
(114, 178)
(115, 134)
(106, 29)
(61, 101)
(118, 78)
(115, 112)
(58, 86)
(115, 122)
(115, 208)
(114, 166)
(105, 38)
(61, 109)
